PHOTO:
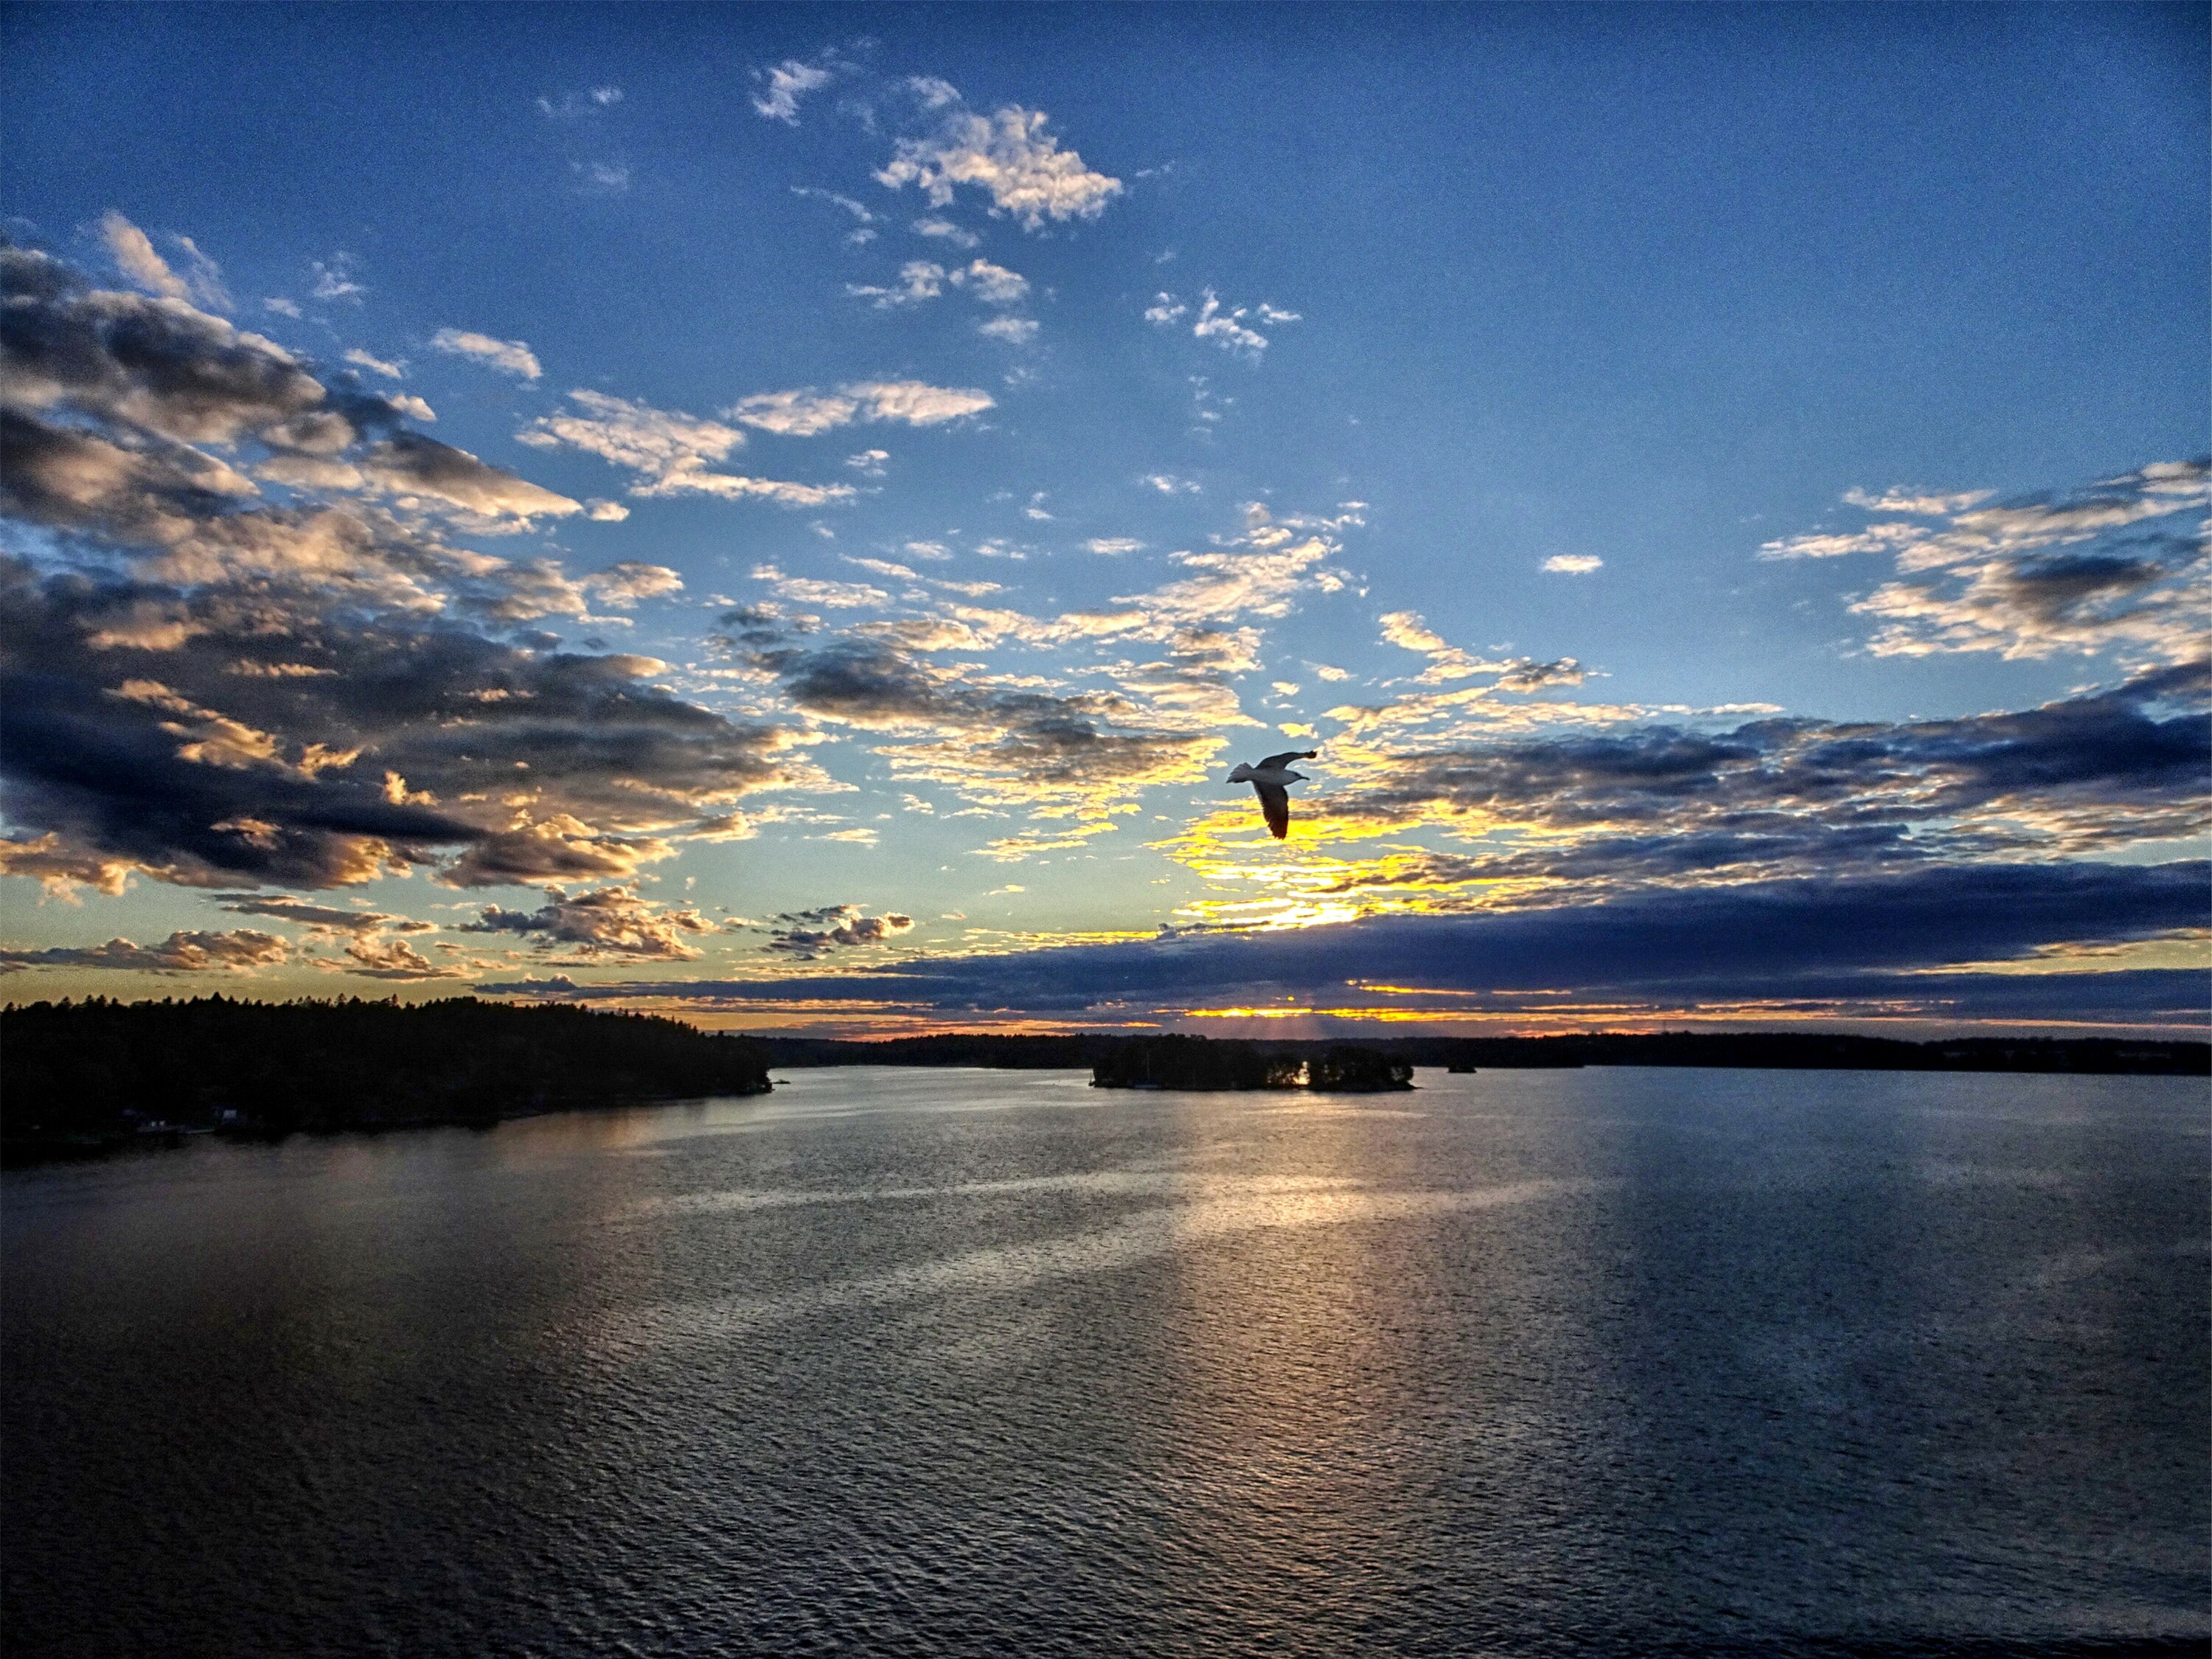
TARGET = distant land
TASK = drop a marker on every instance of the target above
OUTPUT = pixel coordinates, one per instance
(78, 1079)
(1195, 1062)
(86, 1078)
(1778, 1050)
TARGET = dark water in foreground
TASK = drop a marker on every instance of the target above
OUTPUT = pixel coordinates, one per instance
(1604, 1362)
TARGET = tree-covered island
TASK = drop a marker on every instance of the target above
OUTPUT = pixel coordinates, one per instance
(1197, 1062)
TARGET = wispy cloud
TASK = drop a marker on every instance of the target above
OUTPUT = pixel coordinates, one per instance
(133, 251)
(576, 106)
(946, 230)
(670, 450)
(375, 365)
(914, 402)
(783, 85)
(509, 357)
(1573, 564)
(335, 279)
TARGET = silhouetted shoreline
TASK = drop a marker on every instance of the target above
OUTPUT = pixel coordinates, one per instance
(1774, 1050)
(83, 1078)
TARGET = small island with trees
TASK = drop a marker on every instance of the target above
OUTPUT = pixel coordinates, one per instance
(1197, 1062)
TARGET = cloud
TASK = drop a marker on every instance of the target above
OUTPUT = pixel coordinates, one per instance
(509, 357)
(804, 413)
(1000, 740)
(135, 256)
(1167, 484)
(1228, 582)
(571, 105)
(1115, 544)
(2090, 775)
(606, 178)
(668, 450)
(623, 584)
(994, 285)
(1009, 155)
(240, 952)
(603, 924)
(158, 365)
(655, 441)
(372, 957)
(784, 85)
(1899, 499)
(917, 403)
(409, 463)
(795, 414)
(836, 596)
(334, 279)
(919, 280)
(1014, 330)
(1226, 328)
(360, 358)
(528, 766)
(1573, 564)
(811, 934)
(946, 230)
(1811, 950)
(1875, 538)
(869, 462)
(863, 231)
(323, 919)
(2088, 571)
(215, 690)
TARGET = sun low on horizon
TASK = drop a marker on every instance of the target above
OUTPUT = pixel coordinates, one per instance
(789, 517)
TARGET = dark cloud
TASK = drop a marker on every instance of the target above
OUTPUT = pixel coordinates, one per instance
(408, 462)
(283, 745)
(1807, 944)
(322, 919)
(219, 691)
(2086, 774)
(809, 934)
(180, 953)
(2089, 571)
(999, 739)
(154, 365)
(606, 922)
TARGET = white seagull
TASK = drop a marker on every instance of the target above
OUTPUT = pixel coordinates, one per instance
(1268, 779)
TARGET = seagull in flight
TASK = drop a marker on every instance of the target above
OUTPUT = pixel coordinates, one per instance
(1268, 779)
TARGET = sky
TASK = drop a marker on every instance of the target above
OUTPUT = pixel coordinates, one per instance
(787, 517)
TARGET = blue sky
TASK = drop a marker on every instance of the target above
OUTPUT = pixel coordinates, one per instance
(712, 507)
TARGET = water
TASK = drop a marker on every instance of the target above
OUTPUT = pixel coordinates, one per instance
(1603, 1362)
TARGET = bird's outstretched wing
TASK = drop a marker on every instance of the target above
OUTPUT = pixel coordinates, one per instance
(1275, 802)
(1286, 758)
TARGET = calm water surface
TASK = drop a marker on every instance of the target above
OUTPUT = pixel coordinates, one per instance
(1601, 1362)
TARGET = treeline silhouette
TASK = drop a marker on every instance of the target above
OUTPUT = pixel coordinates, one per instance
(85, 1076)
(77, 1077)
(1780, 1050)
